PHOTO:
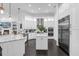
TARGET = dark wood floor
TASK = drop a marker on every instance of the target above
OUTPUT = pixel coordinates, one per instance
(53, 50)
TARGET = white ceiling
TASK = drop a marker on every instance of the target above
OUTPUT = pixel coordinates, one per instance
(37, 7)
(33, 9)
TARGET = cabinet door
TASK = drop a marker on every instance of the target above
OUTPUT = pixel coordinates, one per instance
(44, 43)
(4, 49)
(41, 43)
(38, 43)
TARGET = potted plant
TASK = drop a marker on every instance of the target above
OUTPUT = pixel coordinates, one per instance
(40, 28)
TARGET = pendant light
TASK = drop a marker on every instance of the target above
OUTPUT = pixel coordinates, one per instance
(1, 8)
(19, 18)
(9, 10)
(18, 14)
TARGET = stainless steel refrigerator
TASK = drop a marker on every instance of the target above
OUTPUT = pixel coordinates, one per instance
(64, 33)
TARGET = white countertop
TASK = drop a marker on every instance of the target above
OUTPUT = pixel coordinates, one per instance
(41, 34)
(7, 38)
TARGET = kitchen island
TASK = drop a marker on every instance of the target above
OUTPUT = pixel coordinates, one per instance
(12, 45)
(41, 41)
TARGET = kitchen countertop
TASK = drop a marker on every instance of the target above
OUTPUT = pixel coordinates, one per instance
(9, 38)
(41, 34)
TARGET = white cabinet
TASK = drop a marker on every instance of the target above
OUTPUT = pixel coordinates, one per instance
(41, 42)
(32, 36)
(13, 48)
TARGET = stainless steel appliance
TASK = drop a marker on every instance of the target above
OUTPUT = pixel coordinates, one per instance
(0, 51)
(64, 33)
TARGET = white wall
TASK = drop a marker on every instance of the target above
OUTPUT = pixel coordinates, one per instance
(49, 22)
(31, 23)
(74, 41)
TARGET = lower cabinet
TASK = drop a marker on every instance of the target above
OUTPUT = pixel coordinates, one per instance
(13, 48)
(41, 43)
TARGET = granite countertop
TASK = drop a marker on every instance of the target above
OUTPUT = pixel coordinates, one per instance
(8, 38)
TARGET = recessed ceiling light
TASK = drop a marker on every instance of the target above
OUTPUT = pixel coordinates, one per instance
(1, 11)
(49, 5)
(39, 8)
(46, 11)
(1, 8)
(29, 5)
